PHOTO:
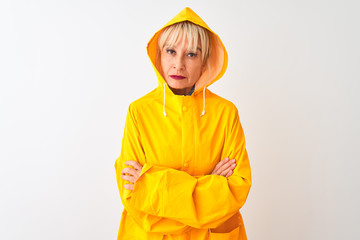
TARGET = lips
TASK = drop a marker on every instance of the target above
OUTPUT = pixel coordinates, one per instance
(177, 77)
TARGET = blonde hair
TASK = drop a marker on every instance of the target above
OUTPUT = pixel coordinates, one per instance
(191, 32)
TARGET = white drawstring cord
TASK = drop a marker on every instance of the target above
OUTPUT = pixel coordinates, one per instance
(203, 112)
(164, 101)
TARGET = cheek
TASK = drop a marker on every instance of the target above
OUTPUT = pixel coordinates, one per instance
(196, 70)
(165, 64)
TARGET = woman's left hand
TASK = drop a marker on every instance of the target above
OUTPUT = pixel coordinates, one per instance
(134, 174)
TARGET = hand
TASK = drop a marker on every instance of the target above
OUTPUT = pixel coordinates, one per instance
(134, 174)
(225, 167)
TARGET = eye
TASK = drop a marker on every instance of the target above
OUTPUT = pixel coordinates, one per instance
(192, 54)
(170, 51)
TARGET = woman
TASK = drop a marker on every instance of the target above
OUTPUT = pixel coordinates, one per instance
(183, 171)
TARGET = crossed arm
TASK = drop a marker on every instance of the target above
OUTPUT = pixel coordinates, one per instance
(155, 208)
(224, 168)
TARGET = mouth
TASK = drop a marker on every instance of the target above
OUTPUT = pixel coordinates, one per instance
(177, 77)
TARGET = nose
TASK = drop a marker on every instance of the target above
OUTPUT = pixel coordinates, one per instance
(179, 63)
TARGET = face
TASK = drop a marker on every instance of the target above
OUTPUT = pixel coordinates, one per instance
(181, 68)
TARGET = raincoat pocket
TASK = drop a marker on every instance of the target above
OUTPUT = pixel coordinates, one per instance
(235, 234)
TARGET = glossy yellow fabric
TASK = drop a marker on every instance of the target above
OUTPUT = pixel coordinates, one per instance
(175, 197)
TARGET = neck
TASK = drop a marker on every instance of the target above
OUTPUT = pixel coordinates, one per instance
(182, 91)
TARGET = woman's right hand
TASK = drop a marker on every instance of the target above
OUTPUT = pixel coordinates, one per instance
(225, 167)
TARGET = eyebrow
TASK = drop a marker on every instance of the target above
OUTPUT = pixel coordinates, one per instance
(174, 46)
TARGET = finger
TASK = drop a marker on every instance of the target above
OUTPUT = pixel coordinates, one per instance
(230, 170)
(134, 164)
(220, 164)
(229, 174)
(129, 186)
(130, 171)
(129, 178)
(223, 173)
(229, 164)
(226, 171)
(217, 167)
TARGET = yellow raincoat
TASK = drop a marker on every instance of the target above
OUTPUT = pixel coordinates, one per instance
(178, 140)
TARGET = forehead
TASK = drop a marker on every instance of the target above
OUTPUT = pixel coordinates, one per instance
(181, 39)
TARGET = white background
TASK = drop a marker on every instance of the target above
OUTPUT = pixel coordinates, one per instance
(69, 70)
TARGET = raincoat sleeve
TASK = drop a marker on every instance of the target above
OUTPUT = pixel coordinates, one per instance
(197, 201)
(132, 150)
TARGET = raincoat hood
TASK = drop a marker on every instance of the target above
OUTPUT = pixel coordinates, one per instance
(218, 58)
